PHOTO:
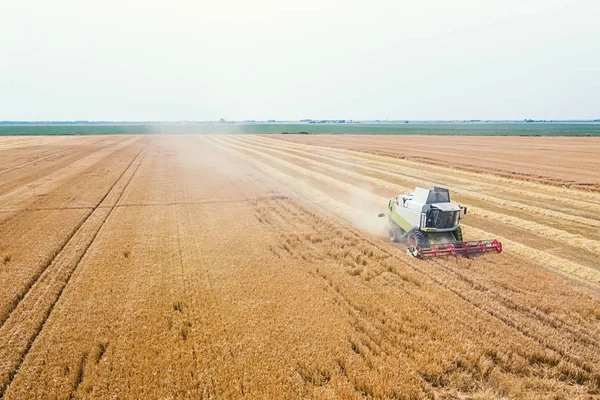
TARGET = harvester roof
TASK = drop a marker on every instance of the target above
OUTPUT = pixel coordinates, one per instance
(427, 196)
(446, 206)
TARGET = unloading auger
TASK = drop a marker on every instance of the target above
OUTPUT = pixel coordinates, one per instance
(430, 224)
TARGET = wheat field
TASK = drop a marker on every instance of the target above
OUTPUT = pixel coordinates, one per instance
(251, 266)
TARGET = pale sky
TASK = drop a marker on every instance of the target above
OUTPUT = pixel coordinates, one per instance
(326, 59)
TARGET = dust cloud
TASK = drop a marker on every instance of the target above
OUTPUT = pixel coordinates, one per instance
(361, 199)
(229, 165)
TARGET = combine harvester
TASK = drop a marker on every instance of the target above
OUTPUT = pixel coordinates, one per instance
(430, 224)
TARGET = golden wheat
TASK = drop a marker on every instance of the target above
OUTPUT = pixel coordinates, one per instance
(238, 267)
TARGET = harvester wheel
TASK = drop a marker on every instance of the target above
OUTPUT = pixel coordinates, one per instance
(418, 239)
(458, 234)
(395, 233)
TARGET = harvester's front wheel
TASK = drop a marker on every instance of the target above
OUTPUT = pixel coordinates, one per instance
(417, 239)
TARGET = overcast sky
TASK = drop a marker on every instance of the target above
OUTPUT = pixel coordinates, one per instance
(272, 59)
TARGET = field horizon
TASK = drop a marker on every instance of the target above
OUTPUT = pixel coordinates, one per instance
(454, 128)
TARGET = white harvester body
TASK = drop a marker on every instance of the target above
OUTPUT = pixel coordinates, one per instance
(428, 210)
(430, 223)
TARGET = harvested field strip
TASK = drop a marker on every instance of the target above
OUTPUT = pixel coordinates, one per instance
(565, 196)
(577, 225)
(45, 156)
(512, 171)
(20, 330)
(25, 159)
(517, 189)
(50, 156)
(306, 191)
(68, 187)
(16, 142)
(520, 176)
(46, 209)
(388, 166)
(309, 174)
(556, 161)
(569, 222)
(357, 217)
(533, 227)
(503, 187)
(41, 180)
(199, 202)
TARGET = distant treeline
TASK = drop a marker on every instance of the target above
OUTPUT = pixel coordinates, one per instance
(474, 129)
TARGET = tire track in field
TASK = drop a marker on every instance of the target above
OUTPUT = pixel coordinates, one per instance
(15, 142)
(3, 318)
(55, 154)
(20, 276)
(29, 180)
(200, 275)
(27, 319)
(47, 209)
(55, 188)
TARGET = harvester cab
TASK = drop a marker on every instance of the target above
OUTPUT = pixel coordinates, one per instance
(430, 224)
